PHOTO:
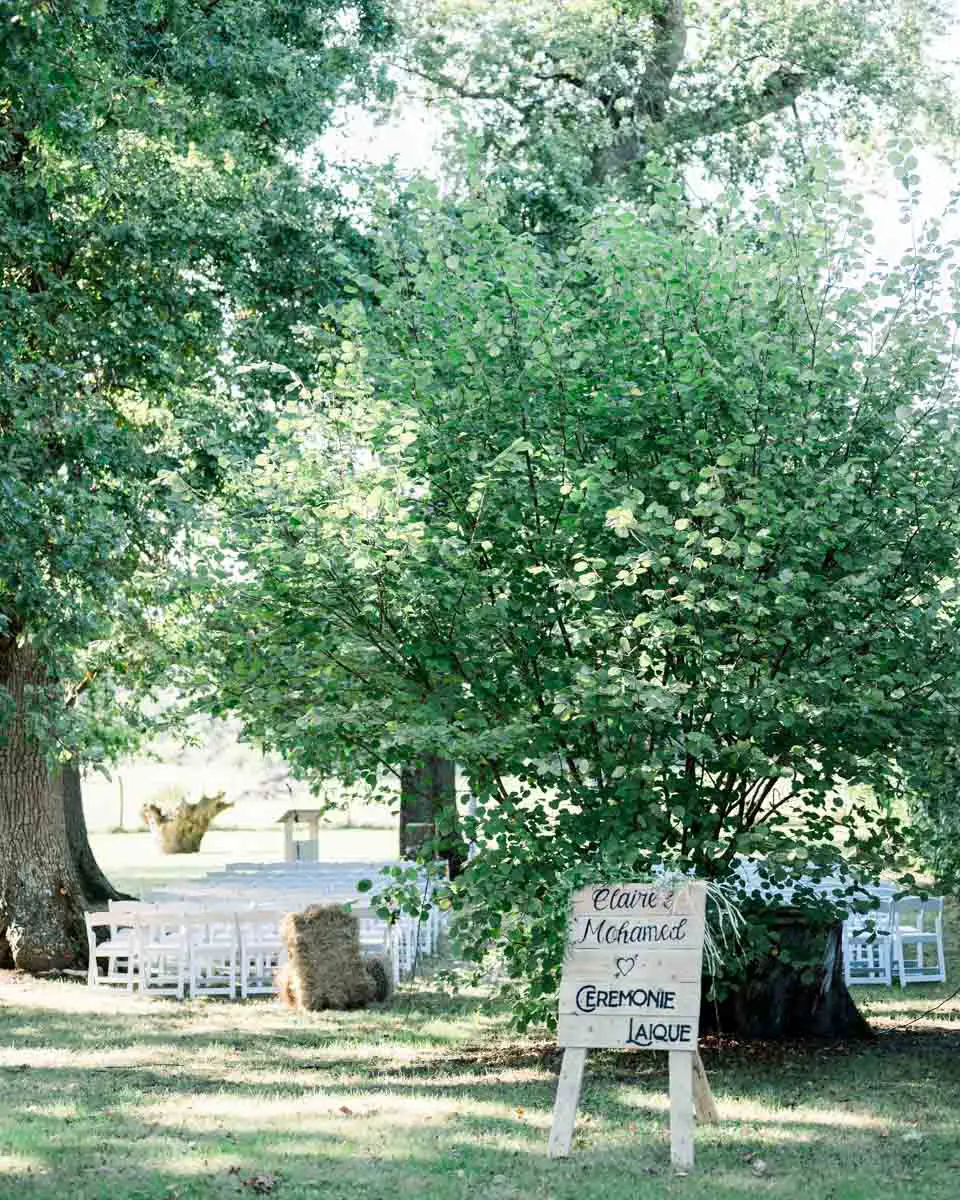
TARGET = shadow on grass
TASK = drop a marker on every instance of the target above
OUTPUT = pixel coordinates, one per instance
(402, 1023)
(453, 1120)
(101, 1151)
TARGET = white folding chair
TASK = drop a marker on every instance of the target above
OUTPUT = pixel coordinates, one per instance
(211, 937)
(162, 953)
(918, 940)
(376, 937)
(261, 948)
(867, 946)
(405, 934)
(118, 948)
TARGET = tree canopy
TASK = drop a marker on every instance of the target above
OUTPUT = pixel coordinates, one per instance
(556, 101)
(154, 228)
(654, 536)
(145, 192)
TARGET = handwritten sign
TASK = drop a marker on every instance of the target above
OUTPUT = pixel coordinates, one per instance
(631, 978)
(631, 975)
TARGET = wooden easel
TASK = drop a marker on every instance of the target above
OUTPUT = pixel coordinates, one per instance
(631, 978)
(689, 1093)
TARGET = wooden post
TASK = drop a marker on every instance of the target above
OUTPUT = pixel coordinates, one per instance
(565, 1106)
(681, 1108)
(704, 1104)
(312, 848)
(289, 854)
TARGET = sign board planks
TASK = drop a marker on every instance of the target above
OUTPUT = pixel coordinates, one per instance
(626, 996)
(628, 1033)
(631, 979)
(670, 966)
(597, 932)
(639, 899)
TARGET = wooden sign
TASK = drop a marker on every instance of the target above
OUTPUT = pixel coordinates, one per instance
(631, 978)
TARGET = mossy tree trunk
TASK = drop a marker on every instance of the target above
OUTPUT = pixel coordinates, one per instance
(96, 886)
(41, 892)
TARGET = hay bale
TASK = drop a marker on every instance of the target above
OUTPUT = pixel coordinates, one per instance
(325, 966)
(284, 982)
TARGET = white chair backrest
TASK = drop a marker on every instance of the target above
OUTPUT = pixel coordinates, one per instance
(876, 922)
(913, 912)
(255, 925)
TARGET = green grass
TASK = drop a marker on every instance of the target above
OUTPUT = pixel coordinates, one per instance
(108, 1096)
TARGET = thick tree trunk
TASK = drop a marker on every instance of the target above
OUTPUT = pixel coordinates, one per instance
(97, 888)
(783, 998)
(428, 812)
(41, 895)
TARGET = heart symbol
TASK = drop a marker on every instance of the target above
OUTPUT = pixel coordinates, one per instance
(625, 966)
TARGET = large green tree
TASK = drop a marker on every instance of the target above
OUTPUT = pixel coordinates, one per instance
(653, 536)
(560, 100)
(154, 228)
(563, 103)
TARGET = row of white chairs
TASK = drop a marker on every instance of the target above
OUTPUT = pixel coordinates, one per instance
(368, 868)
(219, 936)
(409, 941)
(170, 950)
(902, 936)
(298, 884)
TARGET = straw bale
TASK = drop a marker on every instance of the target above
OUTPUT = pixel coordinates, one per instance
(284, 982)
(325, 966)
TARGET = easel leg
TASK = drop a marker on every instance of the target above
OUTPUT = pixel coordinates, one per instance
(681, 1108)
(704, 1105)
(565, 1106)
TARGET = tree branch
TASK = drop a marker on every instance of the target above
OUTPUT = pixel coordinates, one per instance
(779, 91)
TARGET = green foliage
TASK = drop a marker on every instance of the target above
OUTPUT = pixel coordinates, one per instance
(931, 777)
(555, 100)
(652, 536)
(153, 231)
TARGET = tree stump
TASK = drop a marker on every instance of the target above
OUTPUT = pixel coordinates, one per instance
(796, 990)
(181, 831)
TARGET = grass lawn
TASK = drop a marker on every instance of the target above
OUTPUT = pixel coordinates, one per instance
(104, 1095)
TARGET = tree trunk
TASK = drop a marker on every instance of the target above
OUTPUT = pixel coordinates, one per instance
(97, 888)
(782, 996)
(41, 895)
(428, 812)
(182, 831)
